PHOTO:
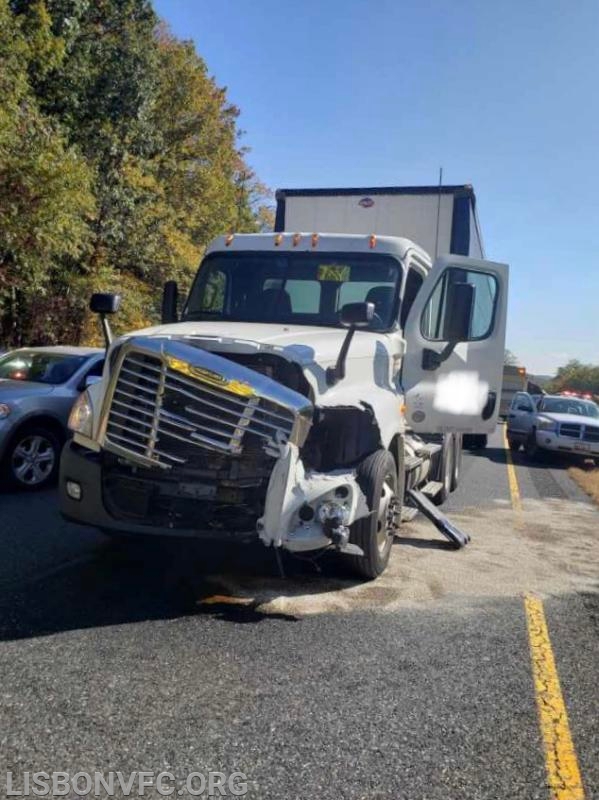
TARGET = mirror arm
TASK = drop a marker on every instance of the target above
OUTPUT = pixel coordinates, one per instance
(337, 373)
(106, 330)
(431, 360)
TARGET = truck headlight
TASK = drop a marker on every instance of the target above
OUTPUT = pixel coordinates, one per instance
(82, 415)
(545, 424)
(4, 410)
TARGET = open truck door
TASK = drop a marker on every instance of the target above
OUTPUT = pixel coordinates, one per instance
(455, 334)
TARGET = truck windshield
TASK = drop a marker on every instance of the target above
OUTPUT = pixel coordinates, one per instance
(294, 288)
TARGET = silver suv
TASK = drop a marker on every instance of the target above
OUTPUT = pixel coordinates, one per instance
(558, 423)
(38, 386)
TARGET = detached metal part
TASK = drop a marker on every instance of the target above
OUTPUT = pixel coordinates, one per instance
(307, 511)
(439, 520)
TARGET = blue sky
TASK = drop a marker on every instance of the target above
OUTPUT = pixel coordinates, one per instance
(382, 92)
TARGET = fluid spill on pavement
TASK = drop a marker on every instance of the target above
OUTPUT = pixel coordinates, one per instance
(550, 547)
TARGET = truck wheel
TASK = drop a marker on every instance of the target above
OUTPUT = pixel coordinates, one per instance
(475, 441)
(457, 461)
(377, 477)
(32, 458)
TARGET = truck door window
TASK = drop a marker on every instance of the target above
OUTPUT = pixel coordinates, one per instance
(438, 308)
(413, 284)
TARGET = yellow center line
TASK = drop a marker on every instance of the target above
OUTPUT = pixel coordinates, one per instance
(511, 475)
(563, 773)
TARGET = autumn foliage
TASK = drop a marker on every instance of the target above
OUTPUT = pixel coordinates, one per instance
(119, 161)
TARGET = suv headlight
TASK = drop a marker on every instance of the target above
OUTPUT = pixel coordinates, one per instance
(82, 415)
(545, 424)
(4, 410)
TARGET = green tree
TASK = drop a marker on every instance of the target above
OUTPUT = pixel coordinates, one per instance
(510, 359)
(137, 155)
(45, 185)
(576, 376)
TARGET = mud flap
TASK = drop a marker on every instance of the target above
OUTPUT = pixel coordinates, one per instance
(439, 520)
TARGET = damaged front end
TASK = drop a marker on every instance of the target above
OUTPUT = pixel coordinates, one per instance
(196, 441)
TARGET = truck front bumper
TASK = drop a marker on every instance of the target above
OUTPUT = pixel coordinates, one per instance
(329, 496)
(83, 468)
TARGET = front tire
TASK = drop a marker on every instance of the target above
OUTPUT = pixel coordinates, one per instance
(32, 459)
(378, 479)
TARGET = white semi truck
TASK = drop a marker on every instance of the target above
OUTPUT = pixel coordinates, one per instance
(311, 393)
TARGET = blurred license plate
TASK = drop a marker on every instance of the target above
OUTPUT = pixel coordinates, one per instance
(582, 446)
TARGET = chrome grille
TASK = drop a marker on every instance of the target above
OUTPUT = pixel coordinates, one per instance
(162, 416)
(572, 430)
(591, 433)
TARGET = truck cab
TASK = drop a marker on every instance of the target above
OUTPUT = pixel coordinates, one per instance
(285, 403)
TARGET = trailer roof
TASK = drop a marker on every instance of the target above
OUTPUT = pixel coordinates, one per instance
(463, 190)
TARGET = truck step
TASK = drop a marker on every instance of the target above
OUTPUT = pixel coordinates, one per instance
(412, 462)
(408, 513)
(432, 488)
(428, 449)
(457, 537)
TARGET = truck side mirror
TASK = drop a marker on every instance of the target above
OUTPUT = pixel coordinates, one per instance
(459, 308)
(353, 316)
(357, 315)
(170, 296)
(104, 303)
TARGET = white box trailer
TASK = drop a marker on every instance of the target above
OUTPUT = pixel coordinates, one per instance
(439, 219)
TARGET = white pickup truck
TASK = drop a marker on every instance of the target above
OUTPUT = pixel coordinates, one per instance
(285, 403)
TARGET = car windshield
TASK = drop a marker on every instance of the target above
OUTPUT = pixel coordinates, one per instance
(294, 288)
(39, 367)
(569, 405)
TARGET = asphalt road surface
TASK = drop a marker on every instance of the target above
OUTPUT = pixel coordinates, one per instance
(419, 685)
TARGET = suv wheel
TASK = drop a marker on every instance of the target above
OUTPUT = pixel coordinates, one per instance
(513, 444)
(531, 448)
(31, 461)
